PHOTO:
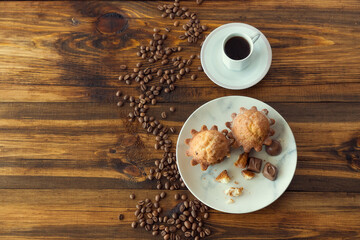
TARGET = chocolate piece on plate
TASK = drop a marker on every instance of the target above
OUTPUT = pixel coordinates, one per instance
(254, 164)
(270, 171)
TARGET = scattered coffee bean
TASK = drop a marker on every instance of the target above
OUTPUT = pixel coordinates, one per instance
(120, 104)
(193, 77)
(172, 109)
(121, 217)
(134, 224)
(123, 67)
(132, 196)
(183, 197)
(163, 115)
(177, 196)
(163, 195)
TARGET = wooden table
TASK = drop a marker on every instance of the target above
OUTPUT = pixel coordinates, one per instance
(70, 159)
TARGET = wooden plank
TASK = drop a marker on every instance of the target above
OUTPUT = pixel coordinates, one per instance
(54, 51)
(90, 214)
(103, 154)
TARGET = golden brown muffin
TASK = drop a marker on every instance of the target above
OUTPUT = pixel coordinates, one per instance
(207, 147)
(251, 129)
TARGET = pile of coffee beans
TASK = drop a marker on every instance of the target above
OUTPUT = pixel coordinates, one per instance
(185, 220)
(158, 72)
(159, 68)
(193, 28)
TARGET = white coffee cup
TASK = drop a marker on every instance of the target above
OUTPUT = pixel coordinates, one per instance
(238, 65)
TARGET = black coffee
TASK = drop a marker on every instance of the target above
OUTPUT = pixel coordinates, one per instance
(237, 48)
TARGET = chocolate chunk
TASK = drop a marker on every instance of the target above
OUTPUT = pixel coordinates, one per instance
(270, 171)
(254, 164)
(274, 149)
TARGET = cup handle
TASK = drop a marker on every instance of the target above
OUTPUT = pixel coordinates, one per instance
(255, 37)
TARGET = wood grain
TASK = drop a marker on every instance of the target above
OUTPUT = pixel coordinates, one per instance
(93, 214)
(69, 158)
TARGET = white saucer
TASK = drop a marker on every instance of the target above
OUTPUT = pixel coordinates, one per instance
(259, 191)
(211, 58)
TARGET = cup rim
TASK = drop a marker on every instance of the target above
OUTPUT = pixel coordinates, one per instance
(247, 38)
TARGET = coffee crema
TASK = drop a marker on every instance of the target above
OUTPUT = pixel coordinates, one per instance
(237, 48)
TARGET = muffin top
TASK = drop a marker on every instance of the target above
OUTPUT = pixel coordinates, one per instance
(207, 147)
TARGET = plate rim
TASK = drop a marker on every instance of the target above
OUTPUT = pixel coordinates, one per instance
(177, 154)
(235, 87)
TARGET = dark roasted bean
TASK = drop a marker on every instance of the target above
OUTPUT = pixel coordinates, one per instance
(123, 67)
(134, 224)
(183, 197)
(163, 115)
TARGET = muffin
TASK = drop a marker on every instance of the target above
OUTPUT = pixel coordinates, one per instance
(251, 129)
(207, 147)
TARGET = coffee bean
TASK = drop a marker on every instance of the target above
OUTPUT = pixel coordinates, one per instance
(149, 221)
(193, 77)
(163, 115)
(172, 229)
(177, 197)
(134, 224)
(155, 233)
(206, 215)
(157, 198)
(186, 213)
(183, 197)
(147, 227)
(202, 234)
(182, 208)
(132, 196)
(118, 93)
(187, 224)
(163, 195)
(187, 234)
(200, 68)
(123, 67)
(207, 231)
(121, 217)
(167, 237)
(182, 217)
(170, 221)
(141, 215)
(172, 129)
(194, 226)
(168, 29)
(120, 104)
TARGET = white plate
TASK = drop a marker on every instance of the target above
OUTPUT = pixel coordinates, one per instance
(259, 191)
(211, 58)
